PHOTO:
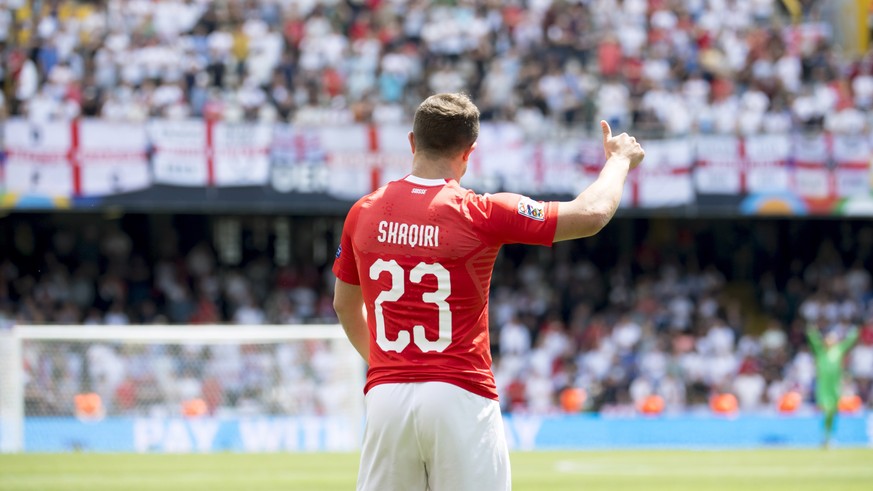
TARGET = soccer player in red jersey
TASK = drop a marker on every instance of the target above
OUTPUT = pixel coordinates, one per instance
(413, 276)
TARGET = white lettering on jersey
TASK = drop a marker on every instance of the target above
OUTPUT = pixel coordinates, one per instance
(419, 191)
(409, 234)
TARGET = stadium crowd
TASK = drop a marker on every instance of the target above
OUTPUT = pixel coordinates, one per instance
(659, 66)
(680, 308)
(683, 309)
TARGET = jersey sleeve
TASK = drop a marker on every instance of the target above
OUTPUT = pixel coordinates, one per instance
(345, 266)
(509, 218)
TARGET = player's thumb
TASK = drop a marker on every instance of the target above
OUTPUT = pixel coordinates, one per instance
(607, 131)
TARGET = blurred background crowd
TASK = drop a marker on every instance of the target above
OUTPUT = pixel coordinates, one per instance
(679, 308)
(663, 67)
(676, 307)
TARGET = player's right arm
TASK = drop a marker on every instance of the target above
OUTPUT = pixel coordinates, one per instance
(348, 301)
(348, 297)
(595, 206)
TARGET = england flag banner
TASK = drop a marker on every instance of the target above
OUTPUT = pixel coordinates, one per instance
(112, 157)
(719, 167)
(392, 145)
(569, 165)
(665, 177)
(812, 176)
(298, 161)
(852, 165)
(39, 158)
(766, 167)
(352, 159)
(180, 152)
(241, 153)
(500, 155)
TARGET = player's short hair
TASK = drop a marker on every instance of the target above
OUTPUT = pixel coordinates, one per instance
(445, 124)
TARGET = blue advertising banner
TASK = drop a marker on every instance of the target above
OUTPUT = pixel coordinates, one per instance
(281, 434)
(188, 435)
(685, 431)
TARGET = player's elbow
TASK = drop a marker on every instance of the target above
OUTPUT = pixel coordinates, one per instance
(578, 219)
(341, 307)
(346, 309)
(601, 216)
(347, 300)
(596, 218)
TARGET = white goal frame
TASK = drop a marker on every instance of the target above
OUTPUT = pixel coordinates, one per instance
(11, 361)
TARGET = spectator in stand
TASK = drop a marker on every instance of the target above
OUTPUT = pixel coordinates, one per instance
(317, 62)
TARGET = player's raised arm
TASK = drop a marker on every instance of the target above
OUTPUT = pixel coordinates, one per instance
(850, 339)
(593, 208)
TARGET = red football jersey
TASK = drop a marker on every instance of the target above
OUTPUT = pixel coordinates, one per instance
(423, 252)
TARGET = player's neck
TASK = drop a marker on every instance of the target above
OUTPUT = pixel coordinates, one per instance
(435, 169)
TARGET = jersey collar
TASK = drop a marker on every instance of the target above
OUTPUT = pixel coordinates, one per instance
(424, 182)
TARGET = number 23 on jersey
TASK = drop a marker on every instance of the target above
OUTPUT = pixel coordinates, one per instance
(398, 288)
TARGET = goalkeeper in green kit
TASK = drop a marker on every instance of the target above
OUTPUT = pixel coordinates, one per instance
(829, 353)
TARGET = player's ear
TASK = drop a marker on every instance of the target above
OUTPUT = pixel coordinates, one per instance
(469, 150)
(411, 137)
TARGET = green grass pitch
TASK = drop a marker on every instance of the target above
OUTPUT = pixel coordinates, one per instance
(649, 470)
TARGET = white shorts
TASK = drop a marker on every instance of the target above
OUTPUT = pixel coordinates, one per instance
(432, 436)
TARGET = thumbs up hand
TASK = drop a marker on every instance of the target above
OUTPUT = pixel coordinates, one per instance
(621, 146)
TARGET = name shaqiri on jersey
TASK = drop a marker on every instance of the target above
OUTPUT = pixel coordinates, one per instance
(409, 234)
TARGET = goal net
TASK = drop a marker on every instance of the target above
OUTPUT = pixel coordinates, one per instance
(179, 389)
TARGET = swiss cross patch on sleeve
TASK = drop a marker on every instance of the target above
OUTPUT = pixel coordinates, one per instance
(535, 210)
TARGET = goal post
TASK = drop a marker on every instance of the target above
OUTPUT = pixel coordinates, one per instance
(11, 393)
(179, 388)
